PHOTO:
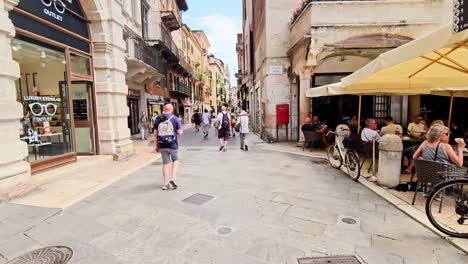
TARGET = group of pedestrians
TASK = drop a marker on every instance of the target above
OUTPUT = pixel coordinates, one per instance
(167, 129)
(226, 124)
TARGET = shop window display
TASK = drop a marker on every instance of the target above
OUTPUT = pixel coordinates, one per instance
(43, 92)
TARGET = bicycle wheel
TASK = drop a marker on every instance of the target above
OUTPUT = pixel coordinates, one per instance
(334, 157)
(352, 165)
(447, 207)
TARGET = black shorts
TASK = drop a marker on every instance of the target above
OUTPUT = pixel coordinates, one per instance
(223, 133)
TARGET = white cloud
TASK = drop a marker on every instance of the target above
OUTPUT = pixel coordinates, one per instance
(222, 32)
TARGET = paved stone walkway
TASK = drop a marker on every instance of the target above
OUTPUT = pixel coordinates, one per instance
(278, 207)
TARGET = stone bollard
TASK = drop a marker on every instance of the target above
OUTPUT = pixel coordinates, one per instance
(390, 152)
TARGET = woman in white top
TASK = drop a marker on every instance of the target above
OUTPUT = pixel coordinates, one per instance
(243, 122)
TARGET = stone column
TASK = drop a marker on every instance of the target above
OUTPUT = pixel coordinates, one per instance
(111, 89)
(13, 168)
(304, 101)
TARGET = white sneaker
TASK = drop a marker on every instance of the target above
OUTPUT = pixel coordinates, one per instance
(173, 183)
(165, 187)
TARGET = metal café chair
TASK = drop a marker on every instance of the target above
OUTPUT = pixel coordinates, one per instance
(433, 172)
(310, 137)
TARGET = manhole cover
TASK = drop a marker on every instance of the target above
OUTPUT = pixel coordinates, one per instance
(330, 260)
(224, 230)
(48, 255)
(349, 221)
(198, 199)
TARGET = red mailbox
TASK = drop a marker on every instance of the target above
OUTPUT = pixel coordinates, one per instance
(282, 114)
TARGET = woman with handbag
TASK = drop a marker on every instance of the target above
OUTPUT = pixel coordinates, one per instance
(144, 126)
(242, 126)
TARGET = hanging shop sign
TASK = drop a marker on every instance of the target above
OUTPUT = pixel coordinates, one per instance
(460, 15)
(134, 93)
(66, 14)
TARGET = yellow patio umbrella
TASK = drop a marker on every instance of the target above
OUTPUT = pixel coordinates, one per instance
(438, 60)
(436, 63)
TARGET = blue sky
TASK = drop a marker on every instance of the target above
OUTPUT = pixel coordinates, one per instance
(221, 20)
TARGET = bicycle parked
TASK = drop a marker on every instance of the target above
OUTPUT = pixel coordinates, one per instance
(447, 206)
(338, 155)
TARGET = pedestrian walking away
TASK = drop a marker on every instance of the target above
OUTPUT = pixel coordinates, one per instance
(167, 128)
(223, 123)
(206, 118)
(233, 123)
(144, 126)
(242, 126)
(196, 119)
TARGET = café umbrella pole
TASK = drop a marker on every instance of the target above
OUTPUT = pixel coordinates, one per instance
(450, 110)
(359, 114)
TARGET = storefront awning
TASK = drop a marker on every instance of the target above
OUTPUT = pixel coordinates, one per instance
(186, 103)
(435, 64)
(437, 61)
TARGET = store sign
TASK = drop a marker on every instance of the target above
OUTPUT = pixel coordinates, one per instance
(460, 15)
(275, 70)
(63, 13)
(134, 93)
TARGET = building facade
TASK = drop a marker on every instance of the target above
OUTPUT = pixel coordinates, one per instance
(280, 55)
(265, 66)
(330, 40)
(218, 82)
(64, 92)
(77, 74)
(202, 39)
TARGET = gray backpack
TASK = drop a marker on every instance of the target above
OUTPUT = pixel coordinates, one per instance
(166, 133)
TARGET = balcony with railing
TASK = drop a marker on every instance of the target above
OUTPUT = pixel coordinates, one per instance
(170, 13)
(180, 87)
(167, 46)
(143, 62)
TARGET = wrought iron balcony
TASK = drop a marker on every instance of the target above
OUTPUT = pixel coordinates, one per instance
(137, 49)
(170, 15)
(167, 46)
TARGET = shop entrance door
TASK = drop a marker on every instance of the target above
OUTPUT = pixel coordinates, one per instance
(133, 118)
(83, 113)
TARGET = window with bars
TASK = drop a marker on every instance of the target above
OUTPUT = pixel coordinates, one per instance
(382, 108)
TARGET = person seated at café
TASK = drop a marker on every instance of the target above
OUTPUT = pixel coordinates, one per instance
(436, 147)
(308, 125)
(320, 128)
(369, 133)
(418, 128)
(391, 128)
(316, 126)
(437, 122)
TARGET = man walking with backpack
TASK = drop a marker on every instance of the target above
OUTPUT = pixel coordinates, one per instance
(166, 129)
(223, 124)
(196, 119)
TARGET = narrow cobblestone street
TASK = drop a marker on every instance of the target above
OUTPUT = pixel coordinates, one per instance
(267, 207)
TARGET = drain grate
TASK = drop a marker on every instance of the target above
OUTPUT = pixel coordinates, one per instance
(319, 162)
(330, 260)
(48, 255)
(224, 231)
(198, 199)
(194, 149)
(349, 221)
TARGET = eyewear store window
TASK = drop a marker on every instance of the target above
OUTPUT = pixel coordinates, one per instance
(55, 86)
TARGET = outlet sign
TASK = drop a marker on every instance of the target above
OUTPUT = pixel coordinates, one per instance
(66, 14)
(460, 15)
